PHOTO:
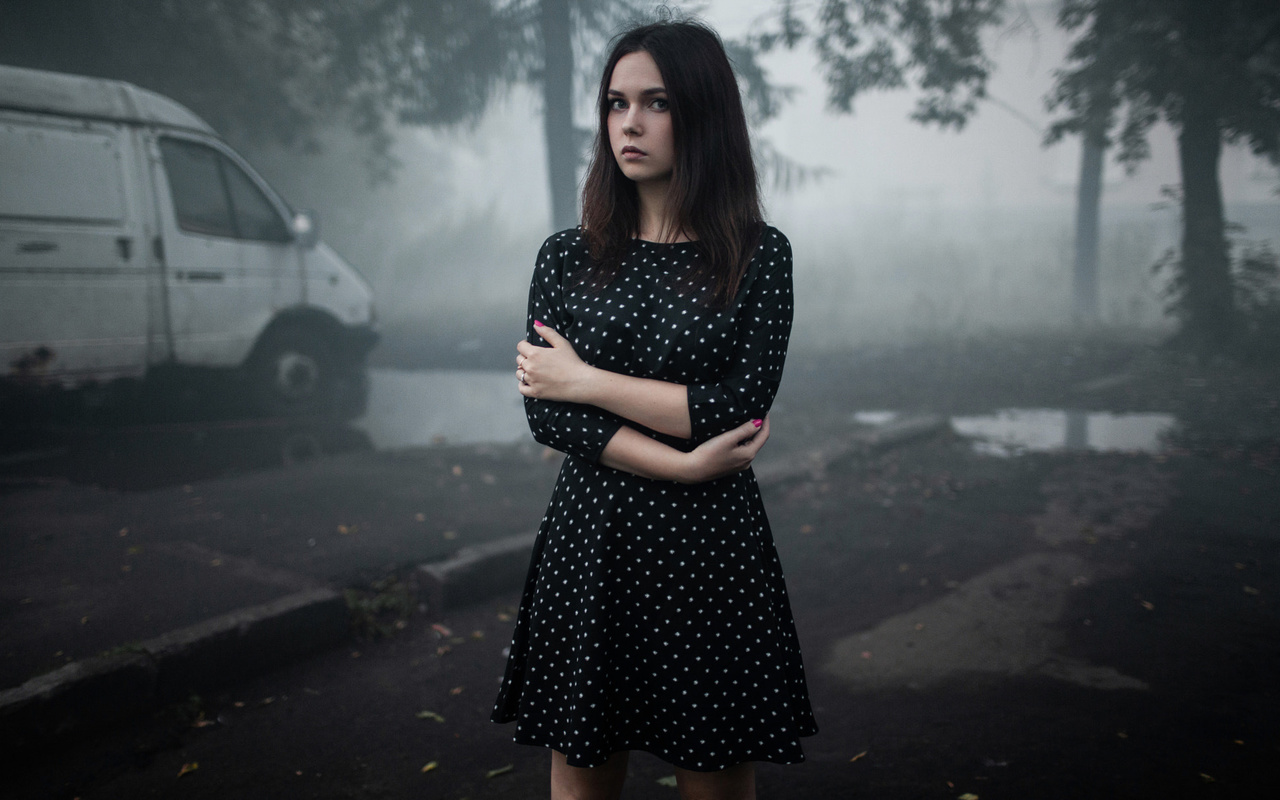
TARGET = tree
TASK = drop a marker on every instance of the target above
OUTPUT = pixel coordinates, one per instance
(281, 70)
(1209, 69)
(886, 44)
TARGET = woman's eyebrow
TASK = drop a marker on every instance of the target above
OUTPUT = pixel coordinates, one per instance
(645, 93)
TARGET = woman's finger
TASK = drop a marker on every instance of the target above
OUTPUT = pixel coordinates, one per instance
(526, 348)
(550, 334)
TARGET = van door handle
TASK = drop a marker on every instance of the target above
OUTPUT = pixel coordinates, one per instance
(125, 245)
(37, 247)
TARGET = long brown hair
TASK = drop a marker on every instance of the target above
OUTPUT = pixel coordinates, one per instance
(714, 190)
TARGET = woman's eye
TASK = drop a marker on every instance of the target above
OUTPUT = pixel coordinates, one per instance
(660, 104)
(617, 104)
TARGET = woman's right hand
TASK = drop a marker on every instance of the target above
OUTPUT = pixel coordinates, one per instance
(729, 453)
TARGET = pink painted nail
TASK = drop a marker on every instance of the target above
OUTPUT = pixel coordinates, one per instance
(537, 324)
(757, 422)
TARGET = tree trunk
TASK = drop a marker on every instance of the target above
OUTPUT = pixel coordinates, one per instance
(1206, 298)
(557, 112)
(1088, 199)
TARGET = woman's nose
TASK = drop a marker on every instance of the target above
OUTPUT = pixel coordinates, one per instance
(631, 122)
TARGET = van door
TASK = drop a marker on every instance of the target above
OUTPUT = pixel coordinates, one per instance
(230, 260)
(73, 276)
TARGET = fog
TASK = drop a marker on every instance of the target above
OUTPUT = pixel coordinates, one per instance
(913, 231)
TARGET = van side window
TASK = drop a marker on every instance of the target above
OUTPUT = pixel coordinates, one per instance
(255, 217)
(195, 182)
(213, 196)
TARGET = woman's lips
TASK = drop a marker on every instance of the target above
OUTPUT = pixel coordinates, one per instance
(632, 153)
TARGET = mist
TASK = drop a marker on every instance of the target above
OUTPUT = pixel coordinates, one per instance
(276, 548)
(912, 231)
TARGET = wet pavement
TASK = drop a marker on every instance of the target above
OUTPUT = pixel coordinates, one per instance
(1048, 621)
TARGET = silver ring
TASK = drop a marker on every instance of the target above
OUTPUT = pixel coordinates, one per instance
(521, 378)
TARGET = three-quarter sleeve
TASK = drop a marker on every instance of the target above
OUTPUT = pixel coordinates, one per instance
(573, 428)
(747, 388)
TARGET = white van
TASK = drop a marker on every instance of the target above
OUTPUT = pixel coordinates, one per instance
(132, 238)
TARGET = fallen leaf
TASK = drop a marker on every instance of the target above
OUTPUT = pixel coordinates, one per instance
(493, 773)
(1148, 605)
(968, 796)
(669, 780)
(489, 479)
(457, 469)
(440, 629)
(420, 517)
(866, 654)
(504, 617)
(134, 550)
(806, 529)
(457, 690)
(124, 531)
(477, 634)
(429, 715)
(84, 620)
(1122, 734)
(450, 534)
(1251, 590)
(442, 649)
(858, 756)
(1206, 778)
(217, 562)
(430, 765)
(190, 766)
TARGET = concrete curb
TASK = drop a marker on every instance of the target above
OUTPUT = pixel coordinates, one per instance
(96, 692)
(101, 690)
(477, 573)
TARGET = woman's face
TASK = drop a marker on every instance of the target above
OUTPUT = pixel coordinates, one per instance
(640, 131)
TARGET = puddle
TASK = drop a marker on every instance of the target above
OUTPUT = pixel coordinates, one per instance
(422, 407)
(1014, 431)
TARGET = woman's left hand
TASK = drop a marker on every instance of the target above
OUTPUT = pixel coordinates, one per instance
(551, 373)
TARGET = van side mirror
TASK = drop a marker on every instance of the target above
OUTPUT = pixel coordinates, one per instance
(306, 228)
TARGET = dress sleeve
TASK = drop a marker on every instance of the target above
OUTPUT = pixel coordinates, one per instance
(573, 428)
(747, 388)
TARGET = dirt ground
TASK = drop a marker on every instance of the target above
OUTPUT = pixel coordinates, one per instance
(1051, 625)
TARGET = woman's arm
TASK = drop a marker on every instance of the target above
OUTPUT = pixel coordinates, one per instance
(558, 373)
(730, 452)
(697, 411)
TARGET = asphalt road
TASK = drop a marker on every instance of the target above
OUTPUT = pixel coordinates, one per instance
(1050, 625)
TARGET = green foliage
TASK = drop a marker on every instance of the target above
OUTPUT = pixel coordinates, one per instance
(864, 45)
(1142, 59)
(382, 609)
(278, 71)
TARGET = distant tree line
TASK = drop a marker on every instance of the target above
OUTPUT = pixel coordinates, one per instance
(283, 70)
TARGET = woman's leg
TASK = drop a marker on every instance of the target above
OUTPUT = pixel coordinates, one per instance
(735, 783)
(588, 783)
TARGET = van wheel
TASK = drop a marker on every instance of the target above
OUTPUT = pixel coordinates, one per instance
(293, 374)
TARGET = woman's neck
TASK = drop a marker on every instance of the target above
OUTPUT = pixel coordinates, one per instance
(656, 223)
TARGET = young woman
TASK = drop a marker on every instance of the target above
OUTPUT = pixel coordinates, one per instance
(655, 616)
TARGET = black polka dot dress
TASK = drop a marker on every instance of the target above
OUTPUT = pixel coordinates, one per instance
(655, 616)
